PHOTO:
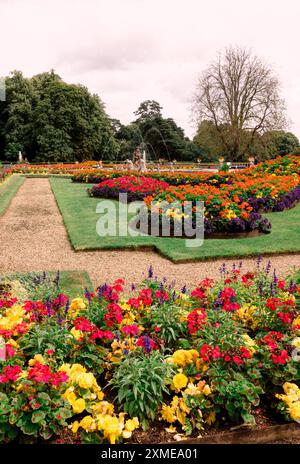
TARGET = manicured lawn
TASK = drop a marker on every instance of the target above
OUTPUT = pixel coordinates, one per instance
(8, 189)
(80, 218)
(72, 283)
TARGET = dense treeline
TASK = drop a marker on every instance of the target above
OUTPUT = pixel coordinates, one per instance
(48, 120)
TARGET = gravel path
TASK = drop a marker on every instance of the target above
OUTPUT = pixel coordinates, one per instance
(33, 238)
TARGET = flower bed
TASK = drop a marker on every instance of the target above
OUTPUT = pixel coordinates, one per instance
(109, 364)
(137, 188)
(221, 213)
(4, 173)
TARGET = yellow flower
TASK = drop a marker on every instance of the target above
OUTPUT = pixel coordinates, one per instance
(179, 357)
(13, 343)
(111, 427)
(75, 426)
(181, 416)
(168, 414)
(38, 358)
(86, 380)
(180, 381)
(206, 390)
(69, 395)
(296, 321)
(88, 424)
(296, 342)
(183, 406)
(104, 407)
(76, 333)
(78, 406)
(184, 357)
(294, 411)
(192, 390)
(66, 368)
(77, 303)
(132, 424)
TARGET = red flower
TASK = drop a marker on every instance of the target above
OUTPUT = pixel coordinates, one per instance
(161, 295)
(198, 293)
(196, 319)
(130, 329)
(245, 353)
(82, 324)
(285, 318)
(237, 359)
(40, 373)
(113, 315)
(10, 373)
(59, 377)
(273, 303)
(281, 358)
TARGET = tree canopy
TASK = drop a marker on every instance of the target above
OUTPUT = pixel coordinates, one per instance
(49, 120)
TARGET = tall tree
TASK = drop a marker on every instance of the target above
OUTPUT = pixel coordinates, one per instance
(239, 94)
(50, 120)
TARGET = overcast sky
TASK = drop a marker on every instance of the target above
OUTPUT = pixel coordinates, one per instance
(128, 51)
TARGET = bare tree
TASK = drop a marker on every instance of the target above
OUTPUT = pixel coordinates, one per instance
(240, 94)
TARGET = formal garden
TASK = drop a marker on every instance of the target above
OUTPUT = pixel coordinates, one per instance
(223, 353)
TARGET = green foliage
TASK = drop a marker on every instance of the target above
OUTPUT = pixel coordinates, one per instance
(234, 393)
(140, 381)
(50, 120)
(161, 137)
(48, 335)
(167, 320)
(43, 413)
(7, 430)
(280, 143)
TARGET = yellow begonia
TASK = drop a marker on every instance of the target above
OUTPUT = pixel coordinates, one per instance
(179, 381)
(184, 357)
(296, 321)
(111, 427)
(88, 424)
(132, 424)
(168, 414)
(104, 407)
(86, 380)
(70, 395)
(13, 316)
(292, 399)
(206, 390)
(75, 426)
(38, 358)
(76, 333)
(78, 406)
